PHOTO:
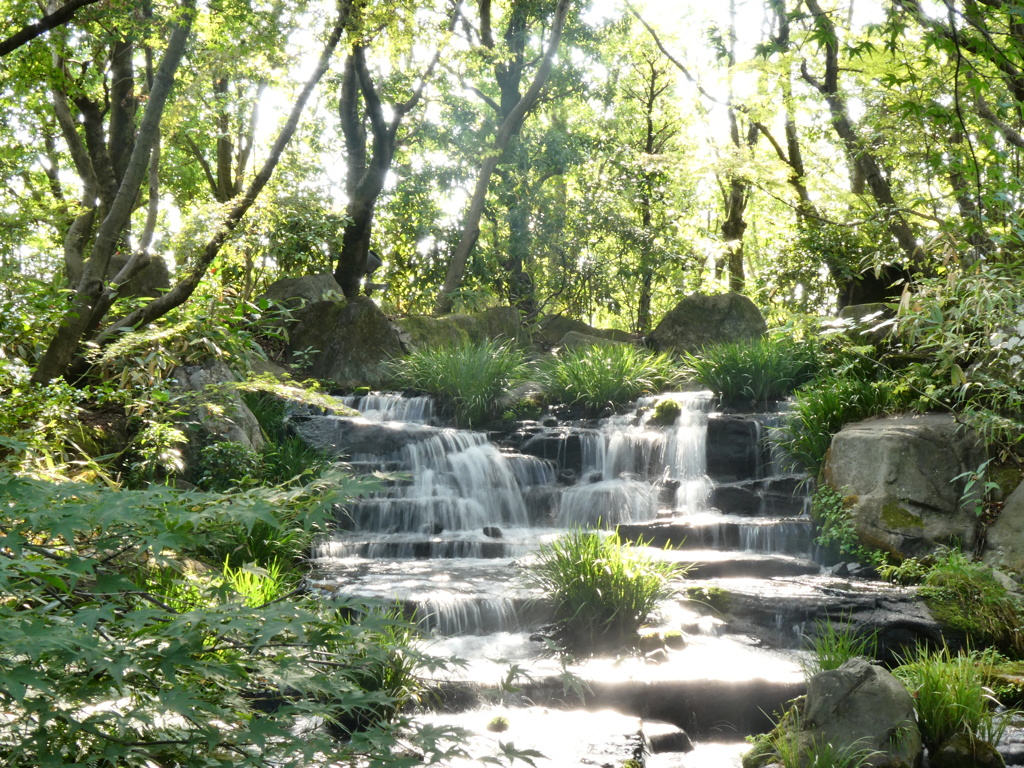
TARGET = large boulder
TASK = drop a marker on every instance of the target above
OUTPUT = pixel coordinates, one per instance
(424, 332)
(346, 342)
(863, 707)
(700, 320)
(1004, 539)
(218, 415)
(307, 289)
(493, 324)
(903, 481)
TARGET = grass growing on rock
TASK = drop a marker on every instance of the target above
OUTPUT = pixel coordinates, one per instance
(753, 372)
(600, 376)
(951, 697)
(602, 589)
(468, 378)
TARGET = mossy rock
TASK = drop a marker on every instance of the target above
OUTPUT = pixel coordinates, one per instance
(666, 412)
(895, 516)
(715, 598)
(345, 342)
(422, 332)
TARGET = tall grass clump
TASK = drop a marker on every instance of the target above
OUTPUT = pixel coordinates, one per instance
(754, 372)
(823, 407)
(831, 645)
(599, 376)
(468, 379)
(602, 590)
(951, 698)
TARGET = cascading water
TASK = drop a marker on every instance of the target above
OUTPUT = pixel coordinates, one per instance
(454, 513)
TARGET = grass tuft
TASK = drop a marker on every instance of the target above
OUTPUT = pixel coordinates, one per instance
(832, 645)
(613, 375)
(602, 590)
(753, 372)
(951, 697)
(468, 379)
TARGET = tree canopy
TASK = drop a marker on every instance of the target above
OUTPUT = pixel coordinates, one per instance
(588, 158)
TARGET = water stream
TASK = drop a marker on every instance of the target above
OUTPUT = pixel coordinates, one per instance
(457, 513)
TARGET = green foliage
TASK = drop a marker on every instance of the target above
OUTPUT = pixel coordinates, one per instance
(964, 595)
(469, 378)
(227, 464)
(754, 372)
(823, 407)
(910, 571)
(111, 655)
(497, 724)
(258, 586)
(602, 590)
(950, 696)
(606, 375)
(834, 525)
(783, 745)
(831, 645)
(969, 325)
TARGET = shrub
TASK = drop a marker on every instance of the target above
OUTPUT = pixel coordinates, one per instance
(468, 378)
(834, 525)
(753, 372)
(822, 408)
(602, 590)
(951, 698)
(611, 375)
(110, 656)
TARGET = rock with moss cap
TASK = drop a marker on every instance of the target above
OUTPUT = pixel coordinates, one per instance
(700, 320)
(344, 342)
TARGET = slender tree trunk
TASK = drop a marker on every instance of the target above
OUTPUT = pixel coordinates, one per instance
(73, 325)
(510, 128)
(182, 290)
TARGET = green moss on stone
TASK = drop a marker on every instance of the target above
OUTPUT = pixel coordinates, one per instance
(715, 598)
(666, 412)
(895, 516)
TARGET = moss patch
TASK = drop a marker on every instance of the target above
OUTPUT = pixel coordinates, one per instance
(666, 412)
(715, 598)
(895, 516)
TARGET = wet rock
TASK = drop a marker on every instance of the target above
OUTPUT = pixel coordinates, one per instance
(700, 320)
(862, 706)
(961, 751)
(563, 445)
(902, 479)
(733, 448)
(359, 437)
(665, 737)
(567, 477)
(493, 532)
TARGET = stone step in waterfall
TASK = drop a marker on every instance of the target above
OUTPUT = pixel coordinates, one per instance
(448, 531)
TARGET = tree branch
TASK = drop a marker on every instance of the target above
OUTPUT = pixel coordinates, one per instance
(30, 32)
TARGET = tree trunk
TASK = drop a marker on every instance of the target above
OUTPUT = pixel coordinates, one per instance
(73, 325)
(510, 128)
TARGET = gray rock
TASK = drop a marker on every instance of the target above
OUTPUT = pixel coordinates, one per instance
(553, 328)
(898, 476)
(700, 320)
(862, 706)
(575, 340)
(1004, 540)
(219, 414)
(308, 289)
(347, 342)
